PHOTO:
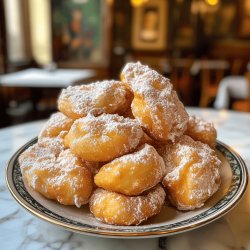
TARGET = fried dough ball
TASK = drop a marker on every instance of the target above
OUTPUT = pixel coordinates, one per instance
(193, 173)
(131, 72)
(56, 124)
(134, 173)
(45, 149)
(99, 97)
(119, 209)
(201, 130)
(155, 105)
(58, 176)
(103, 138)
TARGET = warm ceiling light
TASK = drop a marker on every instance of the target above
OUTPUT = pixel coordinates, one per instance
(137, 3)
(212, 2)
(80, 1)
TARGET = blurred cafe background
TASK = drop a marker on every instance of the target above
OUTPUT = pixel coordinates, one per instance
(203, 46)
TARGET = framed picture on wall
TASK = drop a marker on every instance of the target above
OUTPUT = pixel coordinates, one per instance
(244, 19)
(80, 32)
(149, 25)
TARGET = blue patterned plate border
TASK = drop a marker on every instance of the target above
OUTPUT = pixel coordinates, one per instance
(225, 204)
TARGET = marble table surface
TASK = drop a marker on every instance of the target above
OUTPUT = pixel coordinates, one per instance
(20, 230)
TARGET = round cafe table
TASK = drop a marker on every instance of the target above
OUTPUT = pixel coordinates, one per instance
(20, 230)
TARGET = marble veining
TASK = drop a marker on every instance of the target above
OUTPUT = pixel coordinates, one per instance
(21, 230)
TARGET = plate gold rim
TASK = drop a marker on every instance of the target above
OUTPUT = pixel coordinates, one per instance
(114, 234)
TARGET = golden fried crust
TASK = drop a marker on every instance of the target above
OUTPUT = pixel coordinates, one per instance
(202, 131)
(103, 138)
(99, 97)
(155, 104)
(58, 176)
(132, 174)
(72, 183)
(56, 124)
(45, 149)
(119, 209)
(131, 71)
(192, 173)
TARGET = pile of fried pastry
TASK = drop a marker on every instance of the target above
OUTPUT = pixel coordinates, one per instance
(122, 147)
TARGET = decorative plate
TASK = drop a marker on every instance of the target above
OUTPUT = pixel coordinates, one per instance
(169, 221)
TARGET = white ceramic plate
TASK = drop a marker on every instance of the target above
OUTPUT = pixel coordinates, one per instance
(169, 221)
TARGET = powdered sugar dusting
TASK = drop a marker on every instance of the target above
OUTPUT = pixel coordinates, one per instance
(56, 124)
(165, 109)
(134, 173)
(41, 155)
(144, 153)
(72, 172)
(102, 128)
(131, 71)
(201, 130)
(200, 124)
(196, 162)
(139, 208)
(106, 96)
(56, 173)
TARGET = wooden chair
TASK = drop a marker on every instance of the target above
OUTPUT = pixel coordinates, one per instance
(181, 78)
(243, 105)
(210, 79)
(4, 119)
(236, 66)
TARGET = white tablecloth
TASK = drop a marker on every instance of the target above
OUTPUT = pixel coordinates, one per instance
(208, 64)
(59, 78)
